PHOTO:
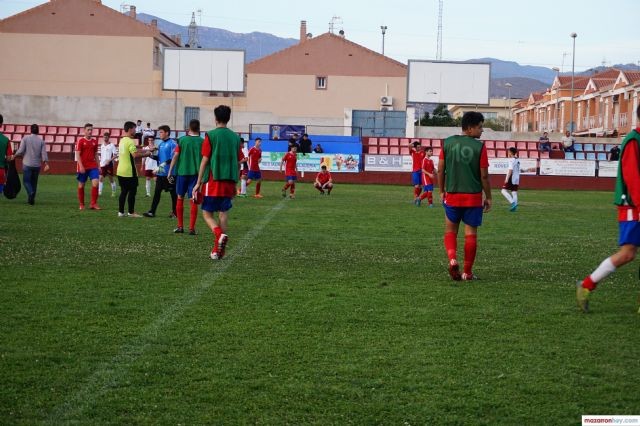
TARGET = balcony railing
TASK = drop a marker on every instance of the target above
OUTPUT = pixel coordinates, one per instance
(623, 119)
(592, 121)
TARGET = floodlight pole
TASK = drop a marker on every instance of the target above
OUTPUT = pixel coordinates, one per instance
(175, 111)
(384, 31)
(573, 70)
(557, 70)
(509, 86)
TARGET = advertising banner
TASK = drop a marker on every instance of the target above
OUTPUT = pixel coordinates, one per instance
(549, 167)
(285, 131)
(607, 168)
(391, 163)
(500, 166)
(336, 163)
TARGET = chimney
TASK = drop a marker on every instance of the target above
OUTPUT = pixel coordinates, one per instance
(178, 39)
(154, 23)
(303, 31)
(132, 12)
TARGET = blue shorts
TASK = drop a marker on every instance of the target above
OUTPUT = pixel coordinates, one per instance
(427, 188)
(90, 174)
(471, 216)
(629, 233)
(1, 187)
(291, 178)
(416, 178)
(216, 204)
(185, 184)
(254, 175)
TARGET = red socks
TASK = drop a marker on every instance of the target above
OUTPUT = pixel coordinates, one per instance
(588, 283)
(258, 188)
(286, 186)
(81, 196)
(293, 188)
(470, 248)
(193, 216)
(451, 245)
(94, 195)
(179, 212)
(217, 231)
(426, 195)
(416, 192)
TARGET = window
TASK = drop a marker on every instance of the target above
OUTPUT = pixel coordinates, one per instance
(321, 82)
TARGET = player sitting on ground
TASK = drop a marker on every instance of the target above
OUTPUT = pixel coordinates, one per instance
(323, 181)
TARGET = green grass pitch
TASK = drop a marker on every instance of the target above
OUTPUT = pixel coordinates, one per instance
(327, 310)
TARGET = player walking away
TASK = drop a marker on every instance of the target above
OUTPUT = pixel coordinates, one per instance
(290, 159)
(87, 167)
(33, 151)
(428, 177)
(185, 163)
(166, 149)
(627, 198)
(512, 179)
(244, 170)
(127, 176)
(108, 154)
(323, 181)
(417, 155)
(149, 164)
(463, 175)
(5, 154)
(255, 157)
(221, 153)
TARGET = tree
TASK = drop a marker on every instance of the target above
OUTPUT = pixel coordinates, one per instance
(439, 118)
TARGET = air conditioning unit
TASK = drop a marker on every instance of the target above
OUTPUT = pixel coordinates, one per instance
(386, 100)
(386, 108)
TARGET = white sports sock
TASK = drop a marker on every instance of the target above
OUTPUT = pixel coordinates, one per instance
(100, 185)
(506, 195)
(148, 186)
(243, 186)
(514, 195)
(605, 269)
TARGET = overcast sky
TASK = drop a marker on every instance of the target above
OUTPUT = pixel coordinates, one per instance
(528, 32)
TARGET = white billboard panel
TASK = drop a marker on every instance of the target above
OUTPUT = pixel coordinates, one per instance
(459, 83)
(203, 70)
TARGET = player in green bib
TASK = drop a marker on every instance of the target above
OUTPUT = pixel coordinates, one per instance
(627, 198)
(185, 164)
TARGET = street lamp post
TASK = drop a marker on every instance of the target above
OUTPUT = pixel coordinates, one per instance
(557, 70)
(509, 86)
(573, 71)
(384, 31)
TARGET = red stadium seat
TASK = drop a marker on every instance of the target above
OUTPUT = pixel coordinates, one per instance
(490, 144)
(523, 154)
(532, 146)
(66, 148)
(59, 139)
(394, 142)
(425, 141)
(491, 153)
(95, 132)
(56, 148)
(17, 137)
(373, 149)
(383, 141)
(556, 146)
(404, 142)
(404, 150)
(9, 128)
(372, 141)
(21, 129)
(436, 143)
(73, 131)
(510, 144)
(394, 150)
(48, 138)
(534, 154)
(116, 132)
(52, 130)
(63, 130)
(384, 150)
(500, 145)
(48, 147)
(113, 140)
(501, 154)
(522, 146)
(544, 154)
(70, 139)
(436, 151)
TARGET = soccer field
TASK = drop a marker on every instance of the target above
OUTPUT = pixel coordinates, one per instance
(326, 310)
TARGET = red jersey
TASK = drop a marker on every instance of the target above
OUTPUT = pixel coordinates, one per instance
(323, 177)
(427, 165)
(417, 157)
(87, 150)
(462, 199)
(629, 164)
(255, 155)
(290, 160)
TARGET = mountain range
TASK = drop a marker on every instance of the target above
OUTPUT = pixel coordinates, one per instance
(524, 79)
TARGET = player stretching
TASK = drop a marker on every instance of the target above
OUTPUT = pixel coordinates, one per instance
(221, 154)
(290, 159)
(417, 155)
(255, 157)
(185, 163)
(428, 177)
(87, 167)
(323, 181)
(463, 175)
(627, 198)
(108, 154)
(512, 180)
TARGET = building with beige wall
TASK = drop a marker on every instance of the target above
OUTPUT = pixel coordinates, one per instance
(498, 108)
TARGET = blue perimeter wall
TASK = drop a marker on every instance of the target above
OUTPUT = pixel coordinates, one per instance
(330, 144)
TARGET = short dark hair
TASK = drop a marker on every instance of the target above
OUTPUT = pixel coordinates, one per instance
(1, 119)
(128, 125)
(35, 129)
(513, 150)
(165, 128)
(304, 134)
(139, 121)
(88, 125)
(222, 113)
(471, 118)
(106, 133)
(323, 167)
(258, 139)
(149, 124)
(194, 125)
(427, 148)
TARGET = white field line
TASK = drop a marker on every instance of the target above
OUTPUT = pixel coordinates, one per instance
(109, 373)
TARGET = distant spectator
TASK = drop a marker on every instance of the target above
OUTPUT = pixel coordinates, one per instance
(318, 149)
(148, 132)
(567, 142)
(305, 144)
(614, 153)
(543, 143)
(293, 141)
(33, 152)
(138, 133)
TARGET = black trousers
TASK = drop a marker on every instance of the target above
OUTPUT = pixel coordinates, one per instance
(162, 184)
(128, 189)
